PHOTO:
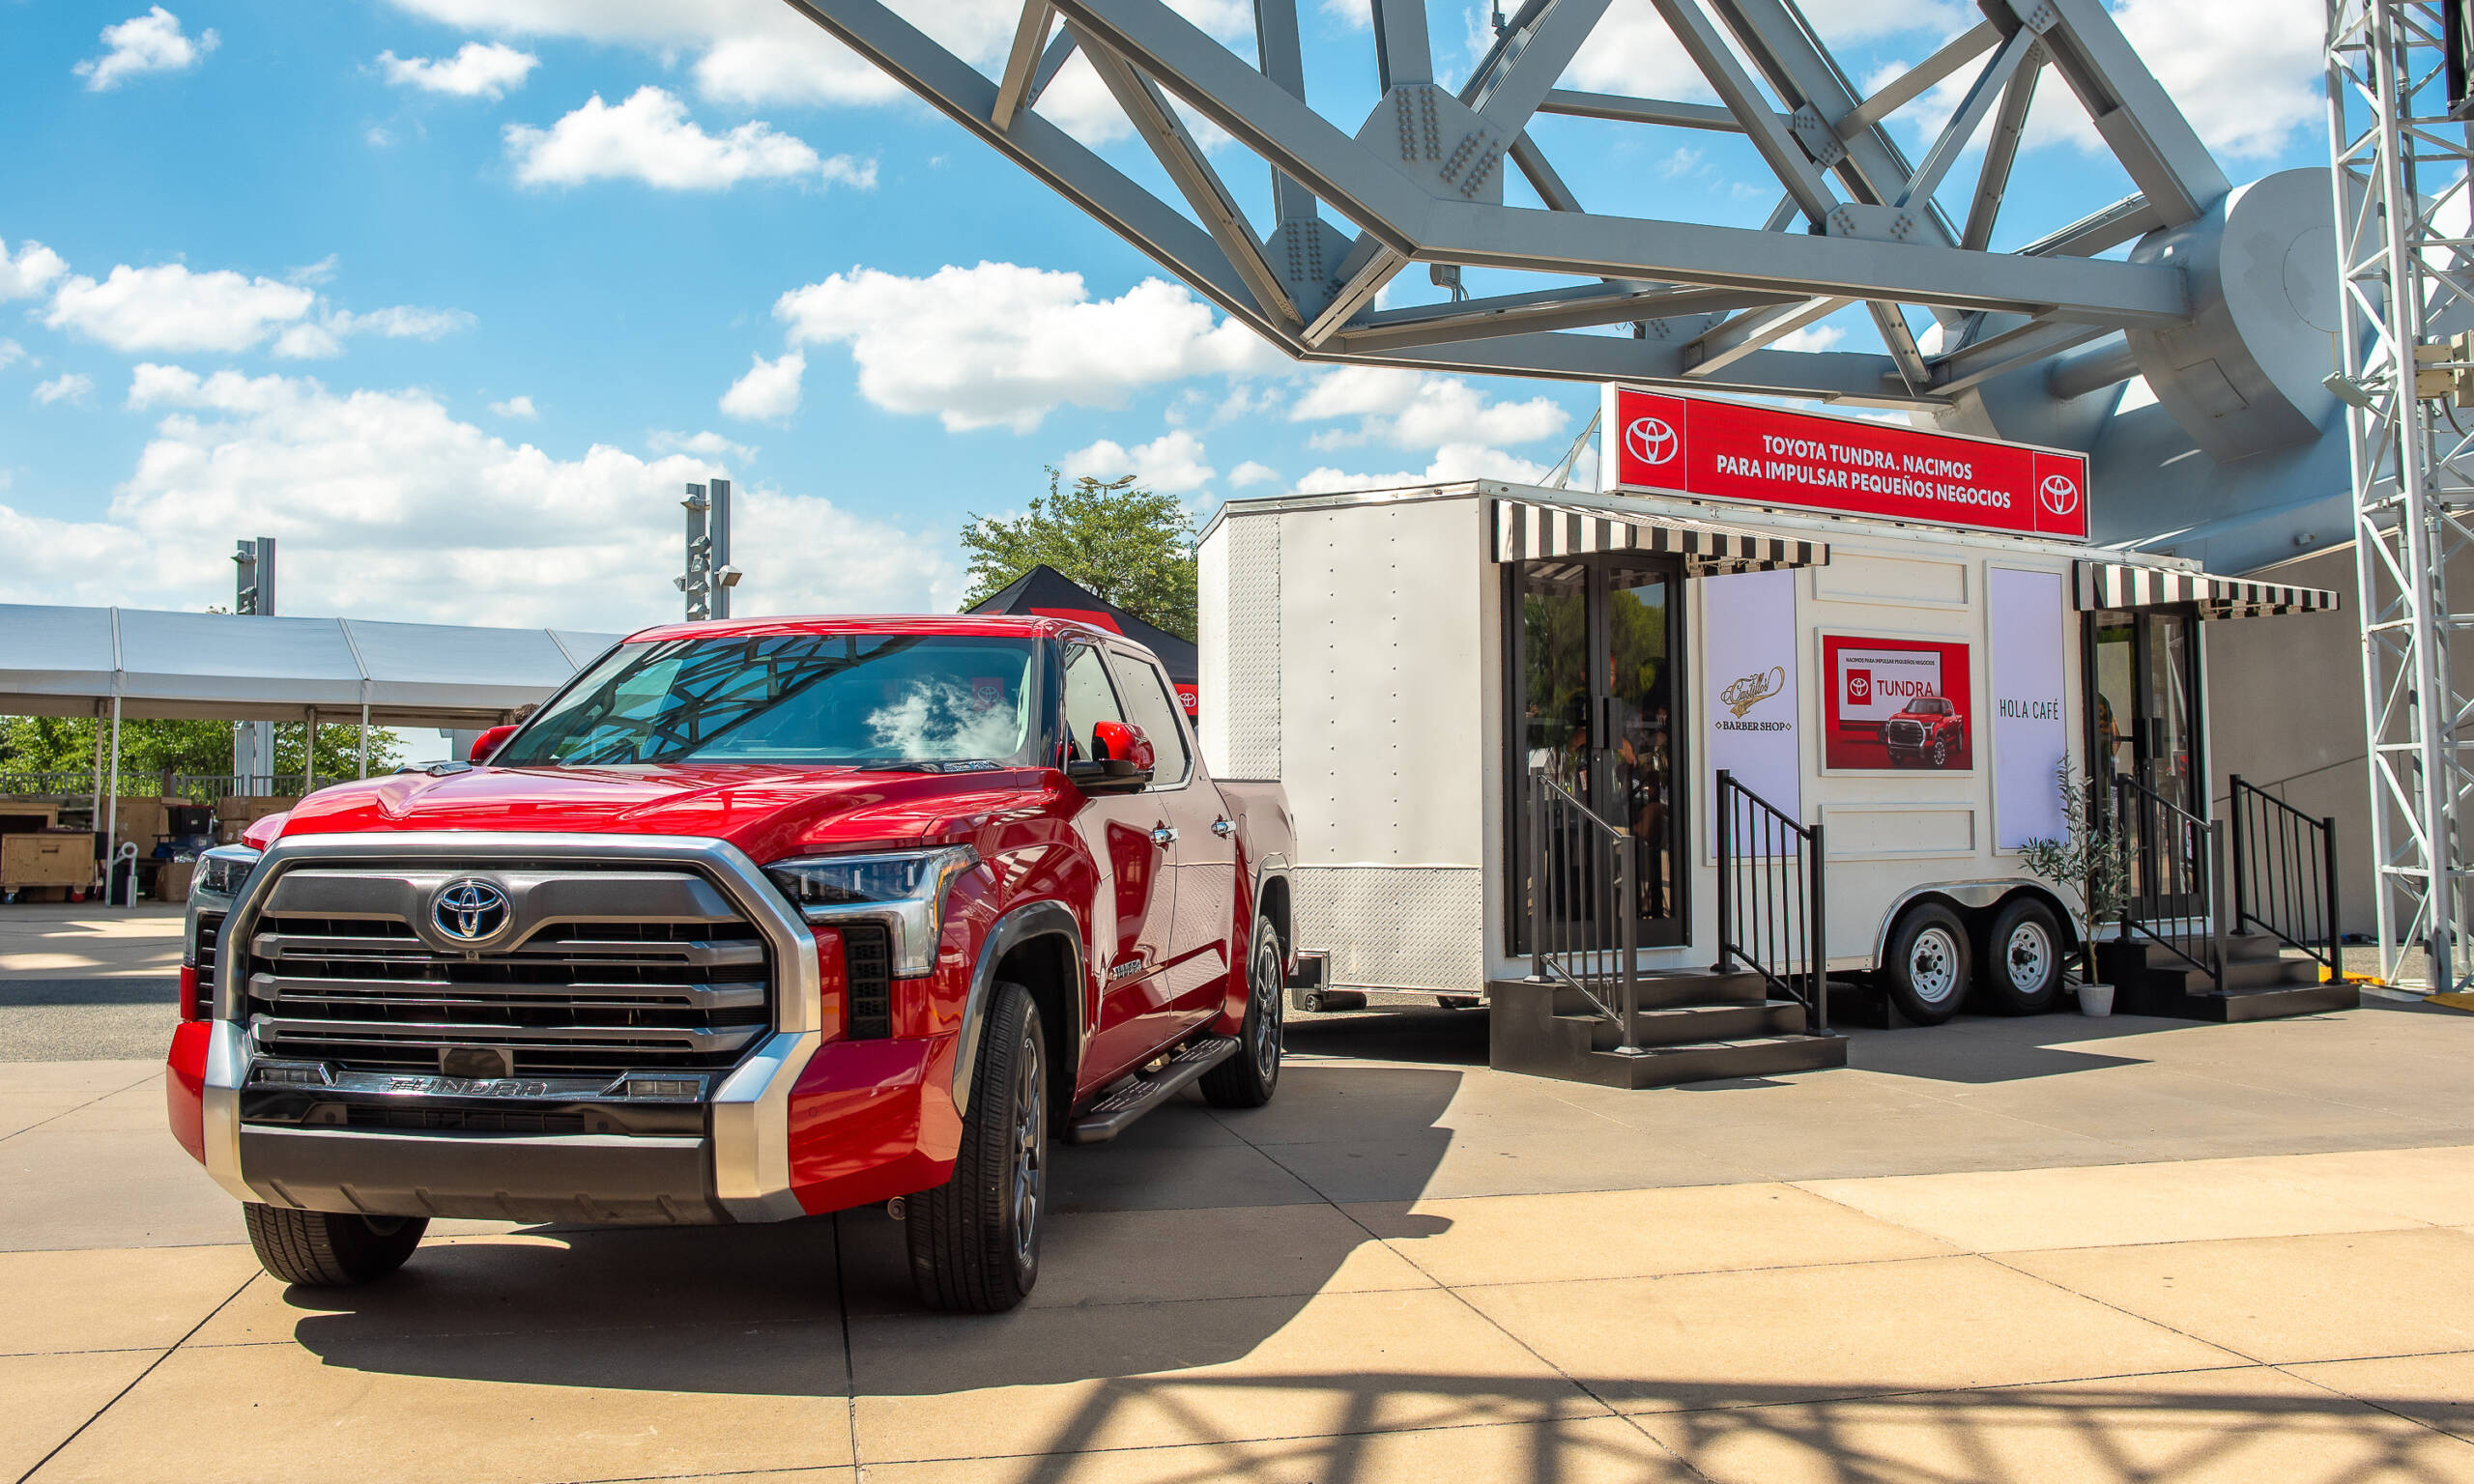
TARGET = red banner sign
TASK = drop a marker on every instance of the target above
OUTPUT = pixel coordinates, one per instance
(1848, 465)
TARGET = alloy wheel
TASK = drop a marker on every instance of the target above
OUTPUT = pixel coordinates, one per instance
(1272, 1007)
(1030, 1146)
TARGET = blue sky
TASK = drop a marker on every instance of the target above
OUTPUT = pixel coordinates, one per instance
(453, 295)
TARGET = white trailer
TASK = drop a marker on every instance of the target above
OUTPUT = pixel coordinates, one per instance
(1417, 665)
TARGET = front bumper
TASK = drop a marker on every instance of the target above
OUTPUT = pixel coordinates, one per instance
(735, 1168)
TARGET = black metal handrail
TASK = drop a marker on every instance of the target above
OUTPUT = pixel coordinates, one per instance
(1772, 911)
(1583, 920)
(2176, 897)
(2284, 873)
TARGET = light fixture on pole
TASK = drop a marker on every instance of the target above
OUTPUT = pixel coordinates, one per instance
(710, 577)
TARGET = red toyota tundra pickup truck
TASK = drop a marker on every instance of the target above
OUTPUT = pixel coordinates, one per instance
(752, 921)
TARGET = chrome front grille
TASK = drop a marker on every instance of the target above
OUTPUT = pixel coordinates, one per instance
(599, 971)
(1904, 734)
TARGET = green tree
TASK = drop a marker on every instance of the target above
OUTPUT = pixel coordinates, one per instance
(150, 746)
(1129, 545)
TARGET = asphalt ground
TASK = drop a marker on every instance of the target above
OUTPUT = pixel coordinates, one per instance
(84, 982)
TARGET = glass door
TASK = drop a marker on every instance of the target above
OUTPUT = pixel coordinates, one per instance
(2143, 675)
(1596, 653)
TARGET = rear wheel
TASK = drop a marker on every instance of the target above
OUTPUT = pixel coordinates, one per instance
(1927, 966)
(329, 1249)
(1247, 1079)
(2021, 968)
(976, 1239)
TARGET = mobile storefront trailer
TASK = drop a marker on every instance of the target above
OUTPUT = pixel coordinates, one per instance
(1507, 718)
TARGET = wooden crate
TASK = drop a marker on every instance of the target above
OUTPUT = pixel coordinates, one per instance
(46, 859)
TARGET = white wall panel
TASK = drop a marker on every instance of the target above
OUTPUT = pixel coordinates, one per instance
(1251, 731)
(1392, 928)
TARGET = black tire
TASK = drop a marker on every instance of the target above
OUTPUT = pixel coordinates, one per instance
(1926, 966)
(1249, 1078)
(2021, 957)
(976, 1239)
(329, 1249)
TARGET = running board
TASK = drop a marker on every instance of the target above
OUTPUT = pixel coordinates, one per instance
(1113, 1114)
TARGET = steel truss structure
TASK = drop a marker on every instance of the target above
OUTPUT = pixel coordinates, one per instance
(2409, 288)
(1422, 180)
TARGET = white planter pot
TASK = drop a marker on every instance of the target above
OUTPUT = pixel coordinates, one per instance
(2096, 999)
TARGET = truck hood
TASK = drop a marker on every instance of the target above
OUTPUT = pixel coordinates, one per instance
(770, 812)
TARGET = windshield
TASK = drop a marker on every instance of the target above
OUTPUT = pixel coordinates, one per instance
(1928, 705)
(866, 699)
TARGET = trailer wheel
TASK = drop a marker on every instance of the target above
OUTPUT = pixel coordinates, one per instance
(329, 1249)
(1247, 1079)
(1926, 966)
(2020, 970)
(976, 1239)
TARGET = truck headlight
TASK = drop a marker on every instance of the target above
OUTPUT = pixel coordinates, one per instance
(221, 870)
(902, 889)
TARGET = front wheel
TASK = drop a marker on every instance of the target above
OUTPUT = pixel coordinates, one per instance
(976, 1239)
(1247, 1079)
(329, 1249)
(2023, 956)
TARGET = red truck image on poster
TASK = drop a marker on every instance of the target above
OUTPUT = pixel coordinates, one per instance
(752, 921)
(1895, 703)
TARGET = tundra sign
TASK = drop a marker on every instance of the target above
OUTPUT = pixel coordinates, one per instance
(1847, 465)
(1896, 703)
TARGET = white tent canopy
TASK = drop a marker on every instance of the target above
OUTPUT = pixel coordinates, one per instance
(77, 661)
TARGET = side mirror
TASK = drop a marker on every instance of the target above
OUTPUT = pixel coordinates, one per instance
(487, 743)
(1125, 740)
(1122, 766)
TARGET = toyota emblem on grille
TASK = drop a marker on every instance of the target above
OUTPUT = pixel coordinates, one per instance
(470, 911)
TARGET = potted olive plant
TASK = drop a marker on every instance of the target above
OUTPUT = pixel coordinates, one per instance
(2090, 861)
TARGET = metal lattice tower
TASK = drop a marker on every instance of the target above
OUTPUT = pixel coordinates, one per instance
(2402, 235)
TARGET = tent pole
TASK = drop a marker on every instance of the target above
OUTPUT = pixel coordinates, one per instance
(309, 753)
(95, 813)
(111, 816)
(365, 739)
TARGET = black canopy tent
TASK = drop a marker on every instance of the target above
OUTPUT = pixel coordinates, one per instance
(1048, 593)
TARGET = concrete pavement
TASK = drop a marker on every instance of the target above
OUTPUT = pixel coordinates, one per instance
(82, 980)
(2049, 1249)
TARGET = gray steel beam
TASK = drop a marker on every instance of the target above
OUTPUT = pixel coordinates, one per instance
(1369, 266)
(1156, 121)
(2125, 220)
(1991, 356)
(1535, 56)
(1535, 169)
(2000, 152)
(1283, 61)
(1052, 62)
(1640, 110)
(1988, 88)
(1778, 148)
(1029, 33)
(2132, 113)
(2107, 362)
(1547, 310)
(1054, 157)
(1904, 353)
(1908, 86)
(1402, 52)
(1723, 345)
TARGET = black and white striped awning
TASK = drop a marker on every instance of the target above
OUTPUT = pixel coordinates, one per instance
(1531, 530)
(2121, 585)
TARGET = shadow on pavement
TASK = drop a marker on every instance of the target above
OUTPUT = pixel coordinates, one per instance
(167, 993)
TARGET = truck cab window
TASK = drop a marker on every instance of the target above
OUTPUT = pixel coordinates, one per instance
(1148, 698)
(1089, 700)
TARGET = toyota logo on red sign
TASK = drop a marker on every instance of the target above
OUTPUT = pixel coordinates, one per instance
(2060, 494)
(1651, 439)
(1860, 686)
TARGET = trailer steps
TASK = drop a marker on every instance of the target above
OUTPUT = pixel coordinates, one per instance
(1690, 1028)
(1149, 1088)
(2262, 982)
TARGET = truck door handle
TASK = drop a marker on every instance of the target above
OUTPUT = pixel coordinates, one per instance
(1224, 828)
(1161, 835)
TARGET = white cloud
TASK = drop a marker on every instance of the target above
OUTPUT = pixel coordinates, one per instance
(520, 408)
(650, 138)
(1171, 464)
(1812, 337)
(1004, 345)
(770, 392)
(152, 43)
(2248, 73)
(10, 352)
(353, 483)
(170, 308)
(30, 272)
(478, 69)
(1252, 473)
(73, 386)
(1453, 460)
(707, 444)
(1417, 410)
